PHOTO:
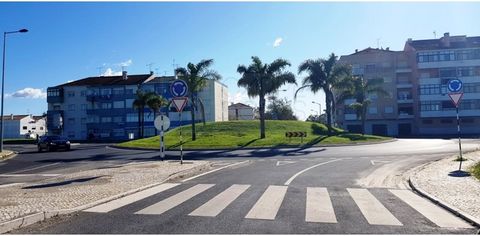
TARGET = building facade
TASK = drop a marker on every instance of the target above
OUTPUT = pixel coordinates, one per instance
(21, 126)
(101, 108)
(240, 111)
(416, 79)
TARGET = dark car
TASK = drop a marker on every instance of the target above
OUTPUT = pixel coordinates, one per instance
(53, 142)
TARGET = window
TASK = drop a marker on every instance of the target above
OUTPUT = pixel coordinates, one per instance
(430, 106)
(56, 107)
(117, 119)
(71, 93)
(83, 93)
(117, 91)
(447, 105)
(118, 132)
(370, 68)
(467, 120)
(106, 91)
(387, 79)
(388, 110)
(446, 121)
(372, 110)
(357, 70)
(448, 72)
(106, 119)
(465, 71)
(425, 75)
(427, 121)
(129, 103)
(24, 127)
(429, 89)
(106, 106)
(118, 104)
(92, 119)
(41, 127)
(132, 117)
(34, 128)
(71, 107)
(372, 96)
(84, 107)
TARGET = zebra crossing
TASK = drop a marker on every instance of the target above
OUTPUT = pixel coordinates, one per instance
(318, 204)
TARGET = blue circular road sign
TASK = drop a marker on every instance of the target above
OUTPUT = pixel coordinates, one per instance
(454, 85)
(179, 88)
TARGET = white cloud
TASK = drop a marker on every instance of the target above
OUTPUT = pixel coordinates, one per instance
(241, 97)
(277, 42)
(29, 93)
(110, 72)
(126, 63)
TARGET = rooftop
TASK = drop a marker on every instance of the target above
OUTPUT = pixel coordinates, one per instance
(110, 80)
(445, 42)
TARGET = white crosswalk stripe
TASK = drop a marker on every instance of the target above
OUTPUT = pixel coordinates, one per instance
(437, 215)
(371, 208)
(115, 204)
(220, 202)
(175, 200)
(267, 206)
(318, 207)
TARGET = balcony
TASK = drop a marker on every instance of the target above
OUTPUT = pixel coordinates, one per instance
(403, 70)
(405, 116)
(109, 112)
(404, 84)
(404, 101)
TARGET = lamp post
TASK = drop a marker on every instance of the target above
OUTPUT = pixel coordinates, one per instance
(319, 107)
(3, 80)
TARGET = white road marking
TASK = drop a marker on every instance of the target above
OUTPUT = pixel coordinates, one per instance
(10, 185)
(371, 208)
(34, 168)
(434, 213)
(281, 163)
(175, 200)
(319, 207)
(267, 206)
(28, 175)
(115, 204)
(208, 172)
(311, 167)
(216, 205)
(378, 161)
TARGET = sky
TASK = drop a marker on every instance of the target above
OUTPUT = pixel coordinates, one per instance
(71, 41)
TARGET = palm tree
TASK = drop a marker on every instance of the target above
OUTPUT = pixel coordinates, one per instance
(360, 89)
(196, 76)
(262, 79)
(323, 75)
(140, 103)
(155, 103)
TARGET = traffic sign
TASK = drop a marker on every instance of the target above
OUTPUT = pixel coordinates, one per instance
(162, 121)
(456, 97)
(179, 88)
(179, 103)
(454, 85)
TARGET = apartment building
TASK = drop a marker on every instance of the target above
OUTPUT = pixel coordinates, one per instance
(101, 108)
(416, 79)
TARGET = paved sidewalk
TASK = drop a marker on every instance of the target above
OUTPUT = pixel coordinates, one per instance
(462, 193)
(72, 191)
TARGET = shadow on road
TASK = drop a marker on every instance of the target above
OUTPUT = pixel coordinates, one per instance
(81, 180)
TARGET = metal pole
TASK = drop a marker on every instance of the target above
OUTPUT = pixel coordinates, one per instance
(3, 90)
(181, 138)
(162, 145)
(459, 141)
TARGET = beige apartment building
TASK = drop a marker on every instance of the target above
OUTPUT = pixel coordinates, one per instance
(416, 79)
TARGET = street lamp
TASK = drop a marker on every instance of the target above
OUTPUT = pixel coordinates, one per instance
(3, 80)
(319, 107)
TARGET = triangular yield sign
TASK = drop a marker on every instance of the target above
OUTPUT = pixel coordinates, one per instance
(179, 103)
(281, 163)
(456, 97)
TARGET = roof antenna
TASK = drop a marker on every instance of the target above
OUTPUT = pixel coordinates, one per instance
(100, 69)
(175, 66)
(435, 34)
(150, 67)
(378, 43)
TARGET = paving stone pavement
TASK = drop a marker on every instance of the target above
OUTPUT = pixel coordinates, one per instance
(77, 189)
(460, 192)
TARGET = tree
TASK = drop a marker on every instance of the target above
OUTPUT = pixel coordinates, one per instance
(360, 89)
(279, 109)
(323, 75)
(155, 103)
(196, 76)
(140, 103)
(263, 79)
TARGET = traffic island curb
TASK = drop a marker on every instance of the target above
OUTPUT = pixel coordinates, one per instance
(465, 216)
(41, 216)
(7, 156)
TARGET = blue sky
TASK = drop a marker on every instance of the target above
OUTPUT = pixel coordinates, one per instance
(70, 41)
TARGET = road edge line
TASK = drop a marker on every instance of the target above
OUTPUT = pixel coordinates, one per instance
(307, 169)
(465, 216)
(41, 216)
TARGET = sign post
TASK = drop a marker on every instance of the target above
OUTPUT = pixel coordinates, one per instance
(162, 123)
(454, 88)
(179, 90)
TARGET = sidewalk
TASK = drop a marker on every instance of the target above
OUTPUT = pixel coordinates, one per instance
(24, 204)
(460, 194)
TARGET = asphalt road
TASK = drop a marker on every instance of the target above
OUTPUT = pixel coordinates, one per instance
(350, 189)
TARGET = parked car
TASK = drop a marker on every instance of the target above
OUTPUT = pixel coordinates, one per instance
(53, 142)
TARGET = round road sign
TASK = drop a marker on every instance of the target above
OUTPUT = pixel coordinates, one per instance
(162, 120)
(179, 88)
(454, 85)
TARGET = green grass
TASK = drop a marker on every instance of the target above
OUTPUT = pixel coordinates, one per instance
(238, 134)
(476, 170)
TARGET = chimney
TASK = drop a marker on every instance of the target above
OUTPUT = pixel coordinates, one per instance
(11, 116)
(151, 72)
(356, 50)
(409, 40)
(388, 48)
(124, 75)
(446, 39)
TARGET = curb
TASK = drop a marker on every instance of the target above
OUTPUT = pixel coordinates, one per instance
(41, 216)
(256, 148)
(8, 156)
(465, 216)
